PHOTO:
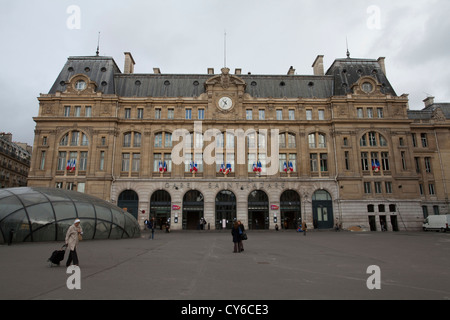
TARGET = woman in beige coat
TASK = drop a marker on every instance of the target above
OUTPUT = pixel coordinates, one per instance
(72, 238)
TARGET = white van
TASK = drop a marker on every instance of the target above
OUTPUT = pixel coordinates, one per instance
(440, 222)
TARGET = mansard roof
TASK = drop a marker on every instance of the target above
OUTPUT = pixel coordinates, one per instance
(108, 78)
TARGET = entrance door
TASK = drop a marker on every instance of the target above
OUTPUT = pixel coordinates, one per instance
(394, 223)
(192, 210)
(290, 210)
(129, 199)
(258, 210)
(372, 223)
(160, 207)
(322, 210)
(225, 209)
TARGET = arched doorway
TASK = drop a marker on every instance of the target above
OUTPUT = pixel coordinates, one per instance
(290, 209)
(129, 199)
(160, 207)
(225, 209)
(258, 210)
(192, 209)
(322, 205)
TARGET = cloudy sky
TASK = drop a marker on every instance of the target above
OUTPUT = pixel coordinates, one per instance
(187, 36)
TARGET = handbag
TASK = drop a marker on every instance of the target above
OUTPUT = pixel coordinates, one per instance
(244, 236)
(80, 237)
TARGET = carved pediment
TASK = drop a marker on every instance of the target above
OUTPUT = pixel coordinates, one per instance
(225, 80)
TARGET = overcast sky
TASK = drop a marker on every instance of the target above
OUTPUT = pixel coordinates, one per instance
(187, 36)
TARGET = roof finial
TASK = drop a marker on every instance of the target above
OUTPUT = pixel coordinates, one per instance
(348, 52)
(98, 44)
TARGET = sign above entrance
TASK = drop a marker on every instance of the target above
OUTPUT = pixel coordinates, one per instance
(175, 207)
(274, 207)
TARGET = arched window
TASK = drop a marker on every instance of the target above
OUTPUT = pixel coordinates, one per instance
(374, 152)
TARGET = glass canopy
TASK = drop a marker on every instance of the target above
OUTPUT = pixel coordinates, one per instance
(44, 214)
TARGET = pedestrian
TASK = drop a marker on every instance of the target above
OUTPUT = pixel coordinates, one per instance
(304, 227)
(152, 226)
(73, 236)
(241, 233)
(236, 237)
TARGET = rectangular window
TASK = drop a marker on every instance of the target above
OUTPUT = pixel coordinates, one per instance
(385, 160)
(75, 138)
(262, 114)
(359, 112)
(380, 113)
(137, 140)
(248, 114)
(170, 113)
(436, 210)
(188, 114)
(367, 187)
(292, 162)
(414, 139)
(388, 186)
(127, 113)
(42, 165)
(125, 162)
(308, 114)
(324, 162)
(102, 161)
(88, 111)
(62, 160)
(291, 114)
(417, 162)
(347, 160)
(140, 113)
(279, 114)
(83, 160)
(282, 162)
(321, 114)
(425, 211)
(421, 189)
(67, 111)
(168, 161)
(157, 113)
(136, 162)
(423, 138)
(403, 155)
(77, 111)
(431, 189)
(369, 113)
(364, 161)
(158, 140)
(427, 164)
(378, 187)
(313, 162)
(156, 161)
(201, 114)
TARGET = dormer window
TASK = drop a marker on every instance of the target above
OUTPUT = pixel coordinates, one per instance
(80, 85)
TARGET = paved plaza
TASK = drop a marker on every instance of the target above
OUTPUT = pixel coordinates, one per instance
(200, 265)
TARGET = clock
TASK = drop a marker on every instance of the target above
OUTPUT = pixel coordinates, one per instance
(225, 103)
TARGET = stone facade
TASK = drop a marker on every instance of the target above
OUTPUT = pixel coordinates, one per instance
(348, 150)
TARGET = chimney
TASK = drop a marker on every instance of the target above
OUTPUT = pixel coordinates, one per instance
(318, 66)
(210, 70)
(428, 101)
(237, 71)
(381, 63)
(129, 63)
(291, 71)
(156, 71)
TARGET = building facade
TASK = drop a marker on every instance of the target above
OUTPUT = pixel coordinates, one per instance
(335, 147)
(15, 160)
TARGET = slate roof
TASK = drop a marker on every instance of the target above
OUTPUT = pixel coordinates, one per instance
(347, 71)
(101, 70)
(427, 112)
(110, 80)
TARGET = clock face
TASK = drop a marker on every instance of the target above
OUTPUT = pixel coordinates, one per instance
(225, 103)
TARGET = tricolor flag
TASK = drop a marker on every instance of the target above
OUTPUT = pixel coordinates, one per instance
(228, 168)
(161, 166)
(375, 165)
(285, 167)
(291, 167)
(165, 166)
